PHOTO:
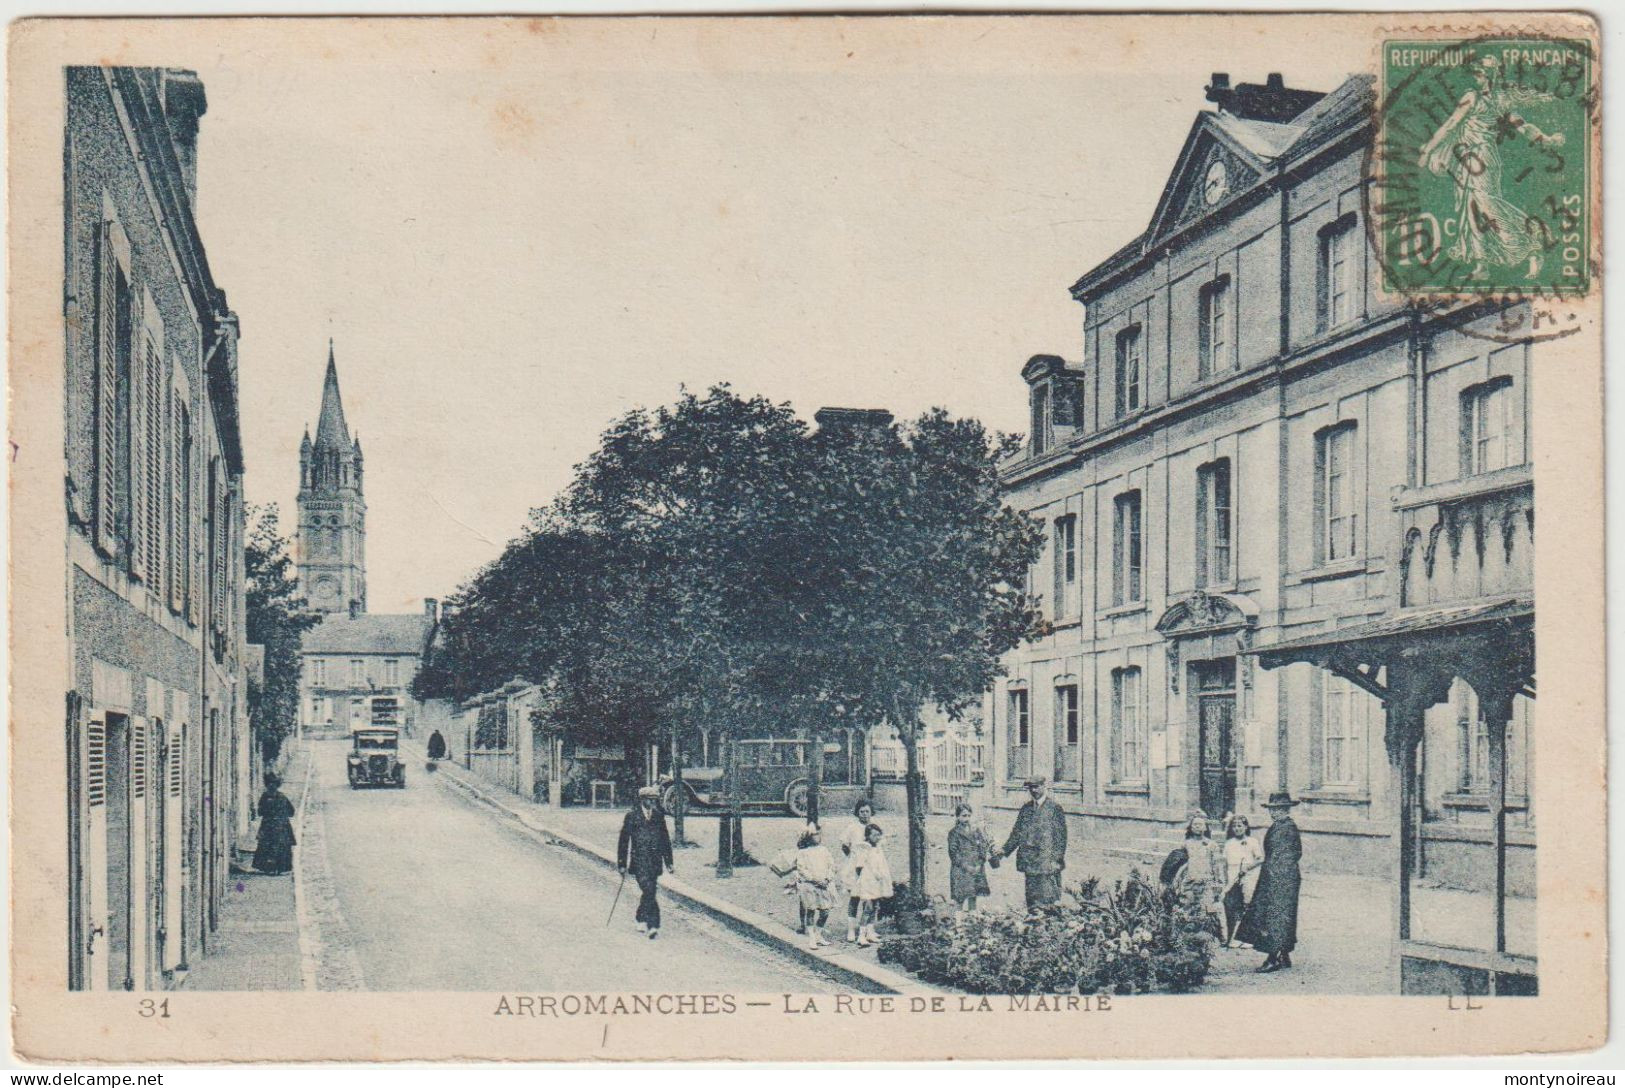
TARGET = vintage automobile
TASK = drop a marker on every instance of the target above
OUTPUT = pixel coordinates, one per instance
(773, 776)
(375, 758)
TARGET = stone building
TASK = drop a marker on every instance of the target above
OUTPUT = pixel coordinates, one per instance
(158, 744)
(1259, 461)
(356, 666)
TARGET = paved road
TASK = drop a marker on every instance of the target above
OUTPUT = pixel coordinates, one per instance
(437, 892)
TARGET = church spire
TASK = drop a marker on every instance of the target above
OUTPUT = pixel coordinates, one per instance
(331, 431)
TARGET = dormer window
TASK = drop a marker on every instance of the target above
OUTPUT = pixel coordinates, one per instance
(1054, 401)
(1040, 421)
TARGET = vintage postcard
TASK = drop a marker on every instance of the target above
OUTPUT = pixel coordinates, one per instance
(816, 538)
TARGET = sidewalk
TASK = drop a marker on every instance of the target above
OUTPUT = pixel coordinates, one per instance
(1343, 920)
(257, 946)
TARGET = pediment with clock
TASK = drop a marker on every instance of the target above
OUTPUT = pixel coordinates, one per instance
(1212, 168)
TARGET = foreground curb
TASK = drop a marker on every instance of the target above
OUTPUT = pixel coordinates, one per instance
(858, 975)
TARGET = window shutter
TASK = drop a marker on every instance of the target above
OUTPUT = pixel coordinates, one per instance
(175, 481)
(218, 598)
(157, 414)
(96, 763)
(107, 318)
(194, 518)
(139, 408)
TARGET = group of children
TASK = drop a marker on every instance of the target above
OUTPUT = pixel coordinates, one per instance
(861, 875)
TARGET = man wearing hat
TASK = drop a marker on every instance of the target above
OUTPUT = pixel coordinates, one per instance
(1271, 922)
(1039, 843)
(644, 850)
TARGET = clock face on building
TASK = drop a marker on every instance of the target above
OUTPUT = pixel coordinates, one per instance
(327, 589)
(1216, 182)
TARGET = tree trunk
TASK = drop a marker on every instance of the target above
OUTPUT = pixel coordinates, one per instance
(914, 791)
(725, 829)
(681, 808)
(815, 779)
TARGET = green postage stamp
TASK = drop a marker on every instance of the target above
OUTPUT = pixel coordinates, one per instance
(1484, 174)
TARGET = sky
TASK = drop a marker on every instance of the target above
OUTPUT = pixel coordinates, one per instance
(514, 231)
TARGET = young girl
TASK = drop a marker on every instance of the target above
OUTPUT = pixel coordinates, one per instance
(967, 860)
(815, 877)
(873, 882)
(851, 840)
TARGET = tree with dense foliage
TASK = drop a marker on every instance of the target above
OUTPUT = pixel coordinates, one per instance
(276, 619)
(716, 565)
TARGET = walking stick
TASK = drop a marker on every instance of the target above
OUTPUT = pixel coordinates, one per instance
(618, 888)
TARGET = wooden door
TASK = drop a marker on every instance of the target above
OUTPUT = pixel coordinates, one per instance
(1218, 755)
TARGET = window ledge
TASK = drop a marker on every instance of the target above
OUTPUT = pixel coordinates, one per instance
(1122, 610)
(1327, 796)
(1481, 801)
(1143, 788)
(1062, 625)
(1342, 568)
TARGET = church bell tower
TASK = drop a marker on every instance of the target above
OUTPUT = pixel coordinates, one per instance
(332, 552)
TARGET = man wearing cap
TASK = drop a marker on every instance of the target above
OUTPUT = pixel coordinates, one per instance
(1271, 922)
(1039, 843)
(644, 850)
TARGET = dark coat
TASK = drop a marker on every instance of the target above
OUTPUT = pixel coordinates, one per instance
(273, 852)
(437, 745)
(1271, 922)
(967, 860)
(1039, 838)
(645, 846)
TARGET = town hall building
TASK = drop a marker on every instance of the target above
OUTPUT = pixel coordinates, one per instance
(356, 666)
(1289, 531)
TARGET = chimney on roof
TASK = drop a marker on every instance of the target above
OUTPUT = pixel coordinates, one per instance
(1218, 89)
(431, 608)
(1271, 100)
(355, 609)
(1274, 82)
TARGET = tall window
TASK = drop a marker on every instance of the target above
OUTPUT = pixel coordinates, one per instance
(1066, 732)
(1066, 564)
(1213, 524)
(392, 671)
(1336, 498)
(1126, 549)
(1486, 427)
(149, 454)
(1214, 340)
(1128, 725)
(1021, 752)
(1040, 417)
(358, 672)
(1344, 721)
(1337, 267)
(318, 671)
(1128, 370)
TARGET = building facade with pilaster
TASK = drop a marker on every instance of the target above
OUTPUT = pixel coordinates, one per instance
(1254, 448)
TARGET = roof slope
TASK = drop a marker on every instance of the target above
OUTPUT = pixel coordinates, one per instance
(369, 633)
(331, 431)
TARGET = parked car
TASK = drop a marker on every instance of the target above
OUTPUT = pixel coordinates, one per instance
(773, 776)
(375, 758)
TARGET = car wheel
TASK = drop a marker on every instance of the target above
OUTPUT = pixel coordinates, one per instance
(669, 798)
(795, 799)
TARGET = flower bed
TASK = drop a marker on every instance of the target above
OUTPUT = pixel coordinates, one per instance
(1131, 938)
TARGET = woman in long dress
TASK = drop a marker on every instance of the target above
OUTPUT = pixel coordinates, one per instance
(273, 853)
(1271, 922)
